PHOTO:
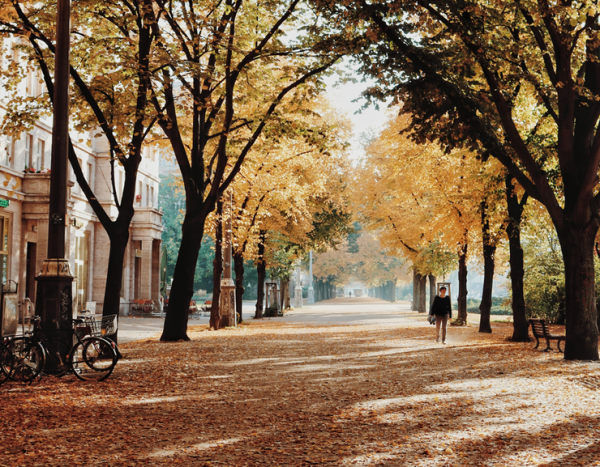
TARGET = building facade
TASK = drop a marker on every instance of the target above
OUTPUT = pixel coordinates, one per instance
(24, 206)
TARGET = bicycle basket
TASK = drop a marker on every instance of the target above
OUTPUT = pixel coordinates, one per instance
(107, 326)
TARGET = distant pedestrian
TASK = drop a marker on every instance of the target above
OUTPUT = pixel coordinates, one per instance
(442, 309)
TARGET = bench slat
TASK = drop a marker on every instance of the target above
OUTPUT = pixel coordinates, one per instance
(541, 331)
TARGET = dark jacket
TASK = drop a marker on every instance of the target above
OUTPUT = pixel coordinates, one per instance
(441, 306)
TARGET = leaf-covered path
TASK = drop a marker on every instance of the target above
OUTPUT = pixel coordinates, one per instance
(280, 393)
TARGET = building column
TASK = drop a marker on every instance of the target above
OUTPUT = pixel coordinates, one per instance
(155, 287)
(146, 270)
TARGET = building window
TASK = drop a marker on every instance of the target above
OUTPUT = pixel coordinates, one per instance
(82, 253)
(139, 196)
(77, 187)
(8, 156)
(148, 202)
(30, 157)
(89, 174)
(4, 245)
(38, 84)
(29, 82)
(41, 153)
(120, 184)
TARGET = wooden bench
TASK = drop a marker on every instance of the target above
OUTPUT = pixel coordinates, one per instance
(541, 331)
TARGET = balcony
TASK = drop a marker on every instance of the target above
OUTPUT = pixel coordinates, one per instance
(149, 218)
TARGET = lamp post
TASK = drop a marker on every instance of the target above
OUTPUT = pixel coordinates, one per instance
(311, 292)
(227, 299)
(54, 300)
(298, 290)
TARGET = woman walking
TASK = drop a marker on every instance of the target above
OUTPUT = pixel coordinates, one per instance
(442, 309)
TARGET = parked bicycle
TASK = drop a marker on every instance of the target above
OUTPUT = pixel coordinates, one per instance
(6, 362)
(90, 358)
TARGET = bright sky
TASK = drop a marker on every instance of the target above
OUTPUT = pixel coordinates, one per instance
(342, 97)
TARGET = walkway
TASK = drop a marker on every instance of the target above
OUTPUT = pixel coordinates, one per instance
(348, 310)
(303, 393)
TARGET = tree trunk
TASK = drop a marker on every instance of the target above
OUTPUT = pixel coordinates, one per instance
(393, 291)
(114, 277)
(489, 250)
(176, 319)
(261, 269)
(432, 288)
(285, 294)
(423, 294)
(581, 323)
(238, 264)
(517, 270)
(415, 301)
(215, 309)
(462, 284)
(485, 307)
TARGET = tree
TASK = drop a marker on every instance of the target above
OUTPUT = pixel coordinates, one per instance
(528, 68)
(172, 202)
(285, 196)
(423, 203)
(228, 70)
(108, 97)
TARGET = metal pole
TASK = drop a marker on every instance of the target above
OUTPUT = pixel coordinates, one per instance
(54, 298)
(311, 291)
(60, 134)
(227, 301)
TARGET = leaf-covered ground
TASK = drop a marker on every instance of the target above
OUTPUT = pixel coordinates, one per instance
(275, 393)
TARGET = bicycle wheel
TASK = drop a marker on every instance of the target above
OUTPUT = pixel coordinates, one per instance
(56, 357)
(93, 359)
(6, 363)
(28, 359)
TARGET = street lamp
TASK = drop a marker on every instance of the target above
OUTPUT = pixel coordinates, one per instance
(54, 300)
(311, 291)
(227, 297)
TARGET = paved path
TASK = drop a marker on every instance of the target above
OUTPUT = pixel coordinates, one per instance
(338, 311)
(289, 392)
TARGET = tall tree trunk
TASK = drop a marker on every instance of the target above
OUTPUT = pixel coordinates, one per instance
(261, 269)
(285, 294)
(215, 310)
(393, 290)
(489, 250)
(462, 284)
(114, 277)
(517, 270)
(176, 319)
(422, 294)
(415, 301)
(485, 307)
(581, 323)
(432, 289)
(238, 264)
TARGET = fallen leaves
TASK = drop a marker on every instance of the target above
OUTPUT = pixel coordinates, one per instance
(285, 394)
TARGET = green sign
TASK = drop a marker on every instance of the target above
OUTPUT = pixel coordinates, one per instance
(4, 203)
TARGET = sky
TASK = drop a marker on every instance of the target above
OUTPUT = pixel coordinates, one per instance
(342, 97)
